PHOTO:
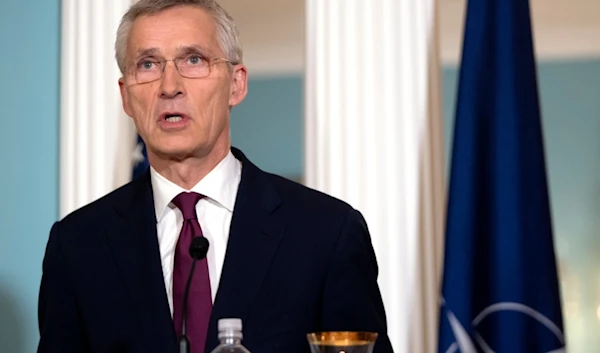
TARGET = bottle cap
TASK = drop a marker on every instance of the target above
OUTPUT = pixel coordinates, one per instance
(230, 324)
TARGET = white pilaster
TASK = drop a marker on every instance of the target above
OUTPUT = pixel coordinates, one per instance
(374, 139)
(96, 137)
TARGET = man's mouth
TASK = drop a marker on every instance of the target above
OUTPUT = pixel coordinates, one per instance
(173, 118)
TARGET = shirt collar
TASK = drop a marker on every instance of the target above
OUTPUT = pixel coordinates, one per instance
(220, 185)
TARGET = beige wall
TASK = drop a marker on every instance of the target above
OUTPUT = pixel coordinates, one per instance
(273, 31)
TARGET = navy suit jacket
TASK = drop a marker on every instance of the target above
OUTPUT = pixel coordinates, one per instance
(297, 261)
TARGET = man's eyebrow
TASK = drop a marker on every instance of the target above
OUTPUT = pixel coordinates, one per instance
(147, 52)
(187, 49)
(181, 50)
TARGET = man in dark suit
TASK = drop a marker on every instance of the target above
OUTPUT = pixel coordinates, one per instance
(285, 259)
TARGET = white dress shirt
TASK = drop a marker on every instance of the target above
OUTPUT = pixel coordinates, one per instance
(214, 212)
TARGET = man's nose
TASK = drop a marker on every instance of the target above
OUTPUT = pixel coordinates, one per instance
(171, 81)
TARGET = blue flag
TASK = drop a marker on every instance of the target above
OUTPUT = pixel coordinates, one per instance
(500, 289)
(140, 158)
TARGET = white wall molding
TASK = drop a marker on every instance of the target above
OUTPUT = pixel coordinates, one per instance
(96, 137)
(374, 139)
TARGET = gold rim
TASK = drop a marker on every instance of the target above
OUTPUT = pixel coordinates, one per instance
(341, 338)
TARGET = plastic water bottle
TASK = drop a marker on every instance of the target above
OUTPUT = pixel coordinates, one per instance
(230, 337)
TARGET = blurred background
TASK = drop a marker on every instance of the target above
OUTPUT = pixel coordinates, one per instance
(269, 124)
(269, 127)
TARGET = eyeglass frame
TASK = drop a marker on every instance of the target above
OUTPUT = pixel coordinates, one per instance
(163, 63)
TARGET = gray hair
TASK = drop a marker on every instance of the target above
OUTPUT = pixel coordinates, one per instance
(227, 32)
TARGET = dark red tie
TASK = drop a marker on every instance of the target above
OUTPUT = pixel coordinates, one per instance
(199, 304)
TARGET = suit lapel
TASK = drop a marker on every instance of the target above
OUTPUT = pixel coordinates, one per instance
(136, 251)
(253, 240)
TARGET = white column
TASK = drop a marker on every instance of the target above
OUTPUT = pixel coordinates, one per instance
(96, 137)
(374, 139)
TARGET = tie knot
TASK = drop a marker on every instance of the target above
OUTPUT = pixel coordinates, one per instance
(186, 203)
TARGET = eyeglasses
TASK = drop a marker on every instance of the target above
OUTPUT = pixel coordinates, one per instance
(189, 66)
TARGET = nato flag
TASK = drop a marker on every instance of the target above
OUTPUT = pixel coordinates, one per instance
(140, 159)
(500, 289)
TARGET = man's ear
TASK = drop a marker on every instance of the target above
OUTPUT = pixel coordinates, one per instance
(239, 85)
(125, 98)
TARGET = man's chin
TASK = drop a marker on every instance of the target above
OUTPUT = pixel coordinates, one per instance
(179, 153)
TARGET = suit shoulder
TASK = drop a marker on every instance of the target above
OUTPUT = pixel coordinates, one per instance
(305, 196)
(98, 209)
